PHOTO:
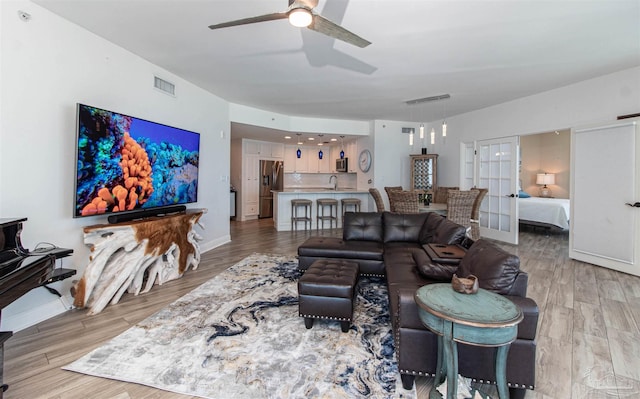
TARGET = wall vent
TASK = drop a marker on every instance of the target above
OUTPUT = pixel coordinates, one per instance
(165, 86)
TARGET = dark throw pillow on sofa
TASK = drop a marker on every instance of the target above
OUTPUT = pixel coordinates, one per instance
(495, 268)
(437, 271)
(439, 230)
(362, 226)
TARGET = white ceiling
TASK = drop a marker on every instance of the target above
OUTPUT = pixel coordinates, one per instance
(480, 52)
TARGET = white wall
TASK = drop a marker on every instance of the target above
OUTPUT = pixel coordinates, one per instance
(592, 101)
(391, 150)
(546, 153)
(366, 180)
(47, 66)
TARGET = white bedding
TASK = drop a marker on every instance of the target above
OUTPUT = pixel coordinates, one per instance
(553, 211)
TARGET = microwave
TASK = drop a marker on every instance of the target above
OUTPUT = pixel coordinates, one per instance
(341, 165)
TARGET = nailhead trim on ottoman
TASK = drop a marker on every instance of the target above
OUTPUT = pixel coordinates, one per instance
(326, 291)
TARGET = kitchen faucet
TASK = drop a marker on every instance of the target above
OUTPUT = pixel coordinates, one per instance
(335, 185)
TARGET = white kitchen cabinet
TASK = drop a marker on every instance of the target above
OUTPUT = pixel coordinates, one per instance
(277, 150)
(293, 164)
(351, 152)
(270, 150)
(301, 164)
(250, 147)
(324, 165)
(290, 158)
(317, 165)
(250, 186)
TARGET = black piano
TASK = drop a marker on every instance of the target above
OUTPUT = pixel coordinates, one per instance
(22, 270)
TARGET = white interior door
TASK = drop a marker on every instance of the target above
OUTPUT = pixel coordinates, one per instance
(605, 179)
(498, 172)
(468, 165)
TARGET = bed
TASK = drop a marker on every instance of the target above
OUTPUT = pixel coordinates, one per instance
(544, 212)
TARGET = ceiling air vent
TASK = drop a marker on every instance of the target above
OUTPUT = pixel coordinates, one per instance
(165, 86)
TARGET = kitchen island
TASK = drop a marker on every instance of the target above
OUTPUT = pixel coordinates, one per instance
(282, 203)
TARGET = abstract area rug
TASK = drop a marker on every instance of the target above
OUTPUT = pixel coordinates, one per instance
(239, 336)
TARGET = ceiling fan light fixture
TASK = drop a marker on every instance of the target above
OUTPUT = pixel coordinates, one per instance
(300, 17)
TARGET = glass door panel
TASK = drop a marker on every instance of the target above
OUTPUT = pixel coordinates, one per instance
(498, 172)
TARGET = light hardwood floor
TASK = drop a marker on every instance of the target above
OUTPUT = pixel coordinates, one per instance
(588, 335)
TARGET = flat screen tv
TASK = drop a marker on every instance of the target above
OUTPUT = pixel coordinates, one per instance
(126, 164)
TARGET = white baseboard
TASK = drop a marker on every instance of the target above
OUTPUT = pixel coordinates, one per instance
(208, 246)
(34, 315)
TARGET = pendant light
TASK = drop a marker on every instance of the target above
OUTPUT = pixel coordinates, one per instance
(422, 123)
(320, 153)
(444, 120)
(411, 130)
(439, 97)
(298, 152)
(342, 147)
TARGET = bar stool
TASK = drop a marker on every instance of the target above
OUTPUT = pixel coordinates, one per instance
(322, 203)
(295, 218)
(346, 202)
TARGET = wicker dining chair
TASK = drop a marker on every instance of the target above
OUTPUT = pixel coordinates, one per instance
(377, 198)
(460, 207)
(475, 213)
(392, 188)
(441, 194)
(403, 201)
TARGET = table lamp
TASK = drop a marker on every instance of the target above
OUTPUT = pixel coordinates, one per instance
(544, 179)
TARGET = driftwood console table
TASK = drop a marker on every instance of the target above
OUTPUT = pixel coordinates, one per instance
(127, 256)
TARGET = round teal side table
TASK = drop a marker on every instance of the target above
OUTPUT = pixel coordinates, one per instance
(481, 319)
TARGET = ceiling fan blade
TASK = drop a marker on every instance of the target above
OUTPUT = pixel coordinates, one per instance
(324, 26)
(252, 20)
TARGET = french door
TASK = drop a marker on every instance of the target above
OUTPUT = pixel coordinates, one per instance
(497, 170)
(605, 196)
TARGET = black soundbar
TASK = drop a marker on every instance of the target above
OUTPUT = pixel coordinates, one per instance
(145, 213)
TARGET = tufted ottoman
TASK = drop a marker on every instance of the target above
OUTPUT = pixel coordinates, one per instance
(326, 291)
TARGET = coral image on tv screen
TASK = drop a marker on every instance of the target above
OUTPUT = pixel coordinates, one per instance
(126, 164)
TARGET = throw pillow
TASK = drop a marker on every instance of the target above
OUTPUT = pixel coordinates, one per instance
(433, 270)
(446, 232)
(437, 271)
(523, 194)
(495, 268)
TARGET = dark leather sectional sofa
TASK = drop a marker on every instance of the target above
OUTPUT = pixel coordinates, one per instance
(391, 245)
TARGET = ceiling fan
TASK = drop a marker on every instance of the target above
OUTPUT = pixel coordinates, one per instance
(301, 13)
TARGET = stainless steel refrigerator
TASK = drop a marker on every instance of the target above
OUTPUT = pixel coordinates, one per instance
(270, 179)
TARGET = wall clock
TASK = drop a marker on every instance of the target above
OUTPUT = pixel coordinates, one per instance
(364, 160)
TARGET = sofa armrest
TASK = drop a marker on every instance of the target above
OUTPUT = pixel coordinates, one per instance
(519, 287)
(528, 326)
(407, 313)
